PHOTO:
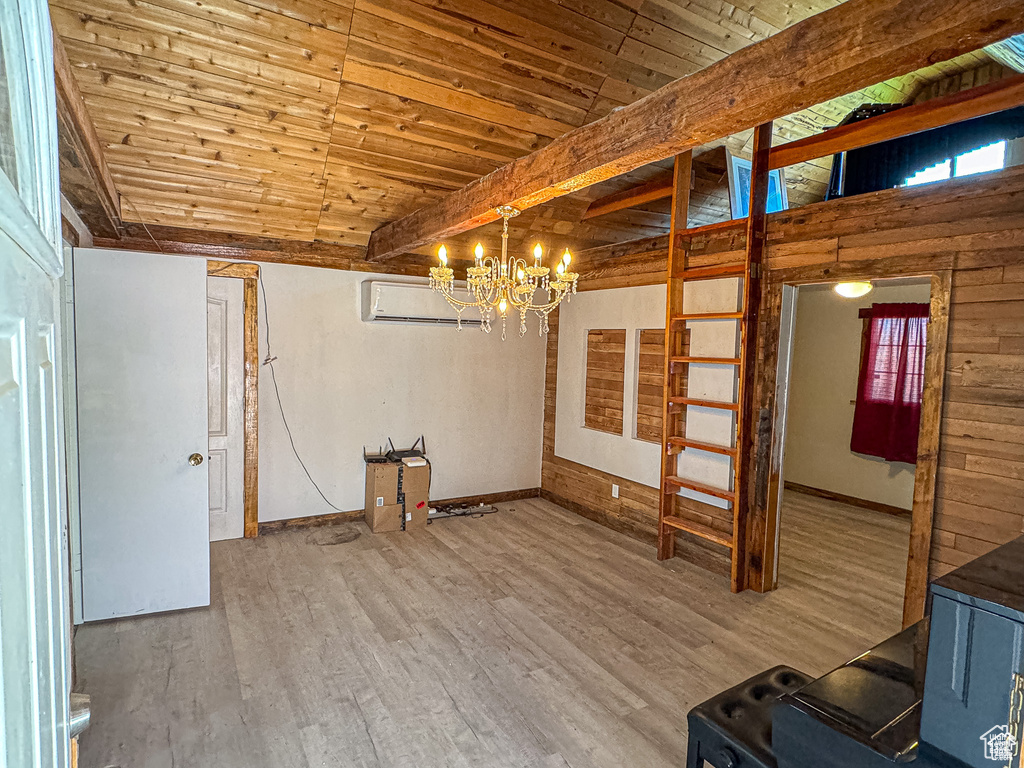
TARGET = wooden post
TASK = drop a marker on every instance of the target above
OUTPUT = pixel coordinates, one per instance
(746, 459)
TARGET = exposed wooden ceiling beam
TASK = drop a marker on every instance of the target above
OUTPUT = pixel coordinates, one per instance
(856, 44)
(85, 179)
(955, 108)
(224, 245)
(630, 198)
(947, 110)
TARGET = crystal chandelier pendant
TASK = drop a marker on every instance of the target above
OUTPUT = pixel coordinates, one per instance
(508, 285)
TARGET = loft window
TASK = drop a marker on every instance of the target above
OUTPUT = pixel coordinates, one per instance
(991, 157)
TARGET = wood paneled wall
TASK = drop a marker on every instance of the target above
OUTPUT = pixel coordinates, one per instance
(606, 374)
(650, 384)
(975, 224)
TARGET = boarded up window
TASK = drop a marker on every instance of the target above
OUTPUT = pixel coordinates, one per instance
(606, 367)
(650, 385)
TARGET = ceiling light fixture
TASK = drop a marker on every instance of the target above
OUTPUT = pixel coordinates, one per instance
(853, 290)
(506, 286)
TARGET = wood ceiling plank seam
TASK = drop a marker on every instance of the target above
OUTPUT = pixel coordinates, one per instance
(310, 12)
(610, 14)
(454, 101)
(196, 56)
(674, 66)
(727, 35)
(229, 224)
(248, 17)
(168, 162)
(118, 128)
(381, 148)
(522, 30)
(423, 134)
(201, 198)
(208, 87)
(387, 145)
(399, 167)
(496, 86)
(741, 21)
(264, 162)
(139, 114)
(556, 16)
(253, 222)
(676, 42)
(146, 16)
(461, 30)
(153, 171)
(163, 177)
(362, 99)
(351, 172)
(151, 190)
(94, 83)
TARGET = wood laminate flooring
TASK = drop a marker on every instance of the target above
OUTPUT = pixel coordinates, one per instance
(532, 637)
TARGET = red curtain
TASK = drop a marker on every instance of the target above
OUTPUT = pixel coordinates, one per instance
(888, 411)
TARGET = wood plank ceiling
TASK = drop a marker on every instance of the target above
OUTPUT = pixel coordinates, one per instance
(320, 120)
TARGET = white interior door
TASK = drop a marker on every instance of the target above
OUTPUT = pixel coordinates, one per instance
(225, 377)
(140, 333)
(34, 613)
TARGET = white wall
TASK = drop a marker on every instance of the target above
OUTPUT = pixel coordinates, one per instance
(623, 455)
(345, 383)
(635, 309)
(823, 386)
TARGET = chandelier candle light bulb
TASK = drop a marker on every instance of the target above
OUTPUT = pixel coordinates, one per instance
(506, 285)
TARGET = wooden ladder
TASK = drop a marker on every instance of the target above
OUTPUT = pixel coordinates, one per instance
(672, 518)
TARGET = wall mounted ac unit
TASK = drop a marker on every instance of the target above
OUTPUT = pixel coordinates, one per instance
(385, 302)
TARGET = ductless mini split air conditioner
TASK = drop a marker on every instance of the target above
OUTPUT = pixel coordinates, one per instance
(400, 302)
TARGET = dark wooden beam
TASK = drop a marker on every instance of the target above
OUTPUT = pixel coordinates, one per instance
(947, 110)
(85, 179)
(748, 440)
(855, 44)
(630, 198)
(225, 245)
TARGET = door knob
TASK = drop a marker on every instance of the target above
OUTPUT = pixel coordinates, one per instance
(195, 459)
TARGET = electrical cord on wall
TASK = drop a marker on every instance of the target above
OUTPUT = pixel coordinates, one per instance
(268, 362)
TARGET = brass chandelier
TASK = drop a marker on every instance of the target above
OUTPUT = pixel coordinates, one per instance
(506, 286)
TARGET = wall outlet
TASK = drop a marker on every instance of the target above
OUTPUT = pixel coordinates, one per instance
(615, 491)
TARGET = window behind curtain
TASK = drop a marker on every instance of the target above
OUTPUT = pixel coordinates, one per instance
(887, 416)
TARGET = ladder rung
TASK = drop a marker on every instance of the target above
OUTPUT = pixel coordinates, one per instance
(682, 442)
(710, 360)
(684, 401)
(698, 529)
(710, 490)
(712, 273)
(708, 316)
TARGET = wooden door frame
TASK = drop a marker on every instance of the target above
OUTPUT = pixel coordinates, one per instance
(767, 460)
(250, 275)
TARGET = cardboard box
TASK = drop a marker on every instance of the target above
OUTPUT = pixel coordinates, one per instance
(381, 487)
(385, 519)
(416, 487)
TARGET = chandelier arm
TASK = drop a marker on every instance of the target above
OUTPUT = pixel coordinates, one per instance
(457, 302)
